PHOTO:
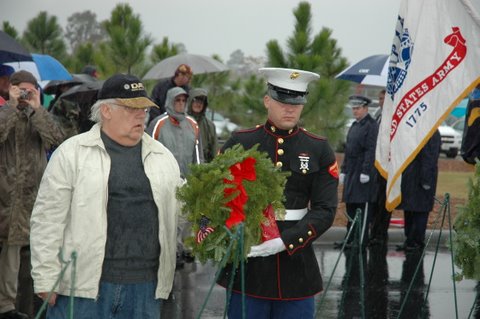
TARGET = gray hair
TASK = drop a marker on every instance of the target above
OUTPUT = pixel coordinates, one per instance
(95, 113)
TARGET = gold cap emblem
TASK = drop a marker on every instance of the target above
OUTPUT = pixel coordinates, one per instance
(294, 75)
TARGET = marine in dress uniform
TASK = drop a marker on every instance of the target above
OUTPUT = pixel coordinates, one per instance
(282, 275)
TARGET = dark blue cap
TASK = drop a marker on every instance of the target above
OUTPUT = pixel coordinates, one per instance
(6, 70)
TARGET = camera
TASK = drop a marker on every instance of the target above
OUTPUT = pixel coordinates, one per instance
(25, 95)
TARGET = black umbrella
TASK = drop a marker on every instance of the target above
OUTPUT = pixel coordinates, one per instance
(85, 93)
(53, 86)
(11, 50)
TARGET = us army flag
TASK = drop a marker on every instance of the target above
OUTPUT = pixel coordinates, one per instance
(434, 63)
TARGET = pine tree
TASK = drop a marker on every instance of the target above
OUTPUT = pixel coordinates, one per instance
(318, 53)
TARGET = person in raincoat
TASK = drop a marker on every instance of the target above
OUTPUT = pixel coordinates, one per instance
(181, 78)
(180, 134)
(197, 106)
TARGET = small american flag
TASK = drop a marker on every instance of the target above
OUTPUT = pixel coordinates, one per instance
(204, 229)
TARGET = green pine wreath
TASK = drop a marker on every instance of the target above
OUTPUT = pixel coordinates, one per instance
(466, 239)
(205, 199)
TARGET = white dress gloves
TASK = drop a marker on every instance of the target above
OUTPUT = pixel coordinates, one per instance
(364, 178)
(341, 178)
(267, 248)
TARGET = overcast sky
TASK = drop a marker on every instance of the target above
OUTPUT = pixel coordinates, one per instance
(361, 27)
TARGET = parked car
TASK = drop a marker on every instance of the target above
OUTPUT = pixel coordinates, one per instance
(459, 125)
(223, 125)
(451, 140)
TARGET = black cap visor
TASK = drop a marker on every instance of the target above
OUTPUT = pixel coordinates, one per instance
(287, 96)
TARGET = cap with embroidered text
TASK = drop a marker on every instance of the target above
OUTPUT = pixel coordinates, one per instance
(358, 100)
(127, 90)
(288, 86)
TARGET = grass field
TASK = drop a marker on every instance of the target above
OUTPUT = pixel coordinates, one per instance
(454, 183)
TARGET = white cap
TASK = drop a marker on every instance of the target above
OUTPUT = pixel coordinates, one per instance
(288, 85)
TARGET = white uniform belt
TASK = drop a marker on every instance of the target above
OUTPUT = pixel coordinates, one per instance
(294, 214)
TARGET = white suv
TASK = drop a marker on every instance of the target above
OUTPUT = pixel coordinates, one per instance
(451, 140)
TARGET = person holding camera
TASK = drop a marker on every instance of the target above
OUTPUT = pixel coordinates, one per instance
(26, 131)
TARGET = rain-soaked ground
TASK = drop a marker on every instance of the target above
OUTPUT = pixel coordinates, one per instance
(387, 279)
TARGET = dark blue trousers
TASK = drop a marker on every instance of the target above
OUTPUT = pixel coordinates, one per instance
(257, 308)
(415, 228)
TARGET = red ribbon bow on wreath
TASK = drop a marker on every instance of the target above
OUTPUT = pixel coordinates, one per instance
(240, 171)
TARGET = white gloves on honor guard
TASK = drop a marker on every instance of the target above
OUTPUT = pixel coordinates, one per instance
(364, 178)
(341, 178)
(267, 248)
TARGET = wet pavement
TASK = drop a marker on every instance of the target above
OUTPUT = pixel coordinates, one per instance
(387, 278)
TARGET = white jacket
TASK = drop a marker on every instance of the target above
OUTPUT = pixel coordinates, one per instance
(70, 213)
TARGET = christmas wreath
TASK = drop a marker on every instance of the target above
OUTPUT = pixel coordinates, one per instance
(238, 186)
(466, 240)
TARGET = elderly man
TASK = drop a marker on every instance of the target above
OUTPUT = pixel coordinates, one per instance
(108, 195)
(282, 274)
(26, 132)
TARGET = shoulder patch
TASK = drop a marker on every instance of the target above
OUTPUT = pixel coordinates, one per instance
(333, 170)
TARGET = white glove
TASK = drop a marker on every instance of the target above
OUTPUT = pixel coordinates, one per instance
(364, 178)
(426, 187)
(341, 178)
(267, 248)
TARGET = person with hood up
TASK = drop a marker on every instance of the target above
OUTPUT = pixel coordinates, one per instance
(197, 106)
(180, 134)
(182, 78)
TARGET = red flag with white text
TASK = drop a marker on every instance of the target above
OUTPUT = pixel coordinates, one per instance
(434, 63)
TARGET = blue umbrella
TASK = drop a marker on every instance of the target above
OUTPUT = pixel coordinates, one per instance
(460, 109)
(43, 67)
(50, 68)
(372, 70)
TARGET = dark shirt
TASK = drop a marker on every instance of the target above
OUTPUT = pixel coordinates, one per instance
(132, 249)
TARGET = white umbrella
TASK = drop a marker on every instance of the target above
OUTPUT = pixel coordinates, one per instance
(372, 70)
(199, 64)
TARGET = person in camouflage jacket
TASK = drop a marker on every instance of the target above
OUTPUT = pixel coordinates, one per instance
(26, 132)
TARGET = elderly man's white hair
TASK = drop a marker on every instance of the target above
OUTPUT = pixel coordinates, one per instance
(95, 113)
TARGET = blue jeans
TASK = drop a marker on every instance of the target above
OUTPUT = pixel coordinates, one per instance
(256, 308)
(115, 301)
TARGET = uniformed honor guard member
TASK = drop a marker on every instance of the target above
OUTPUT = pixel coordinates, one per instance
(358, 164)
(282, 275)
